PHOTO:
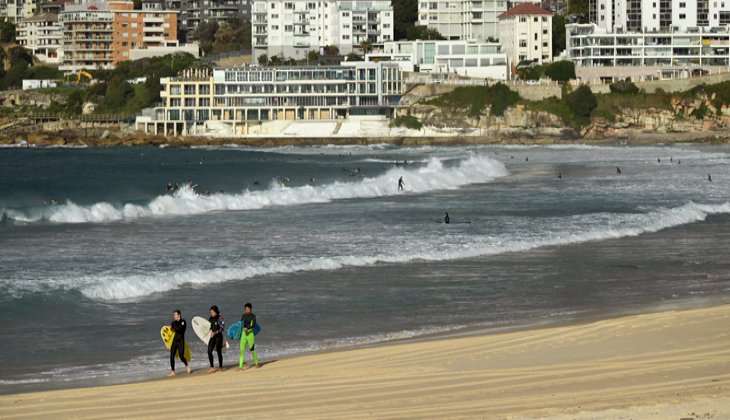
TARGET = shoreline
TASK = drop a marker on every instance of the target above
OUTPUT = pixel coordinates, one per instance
(687, 346)
(101, 137)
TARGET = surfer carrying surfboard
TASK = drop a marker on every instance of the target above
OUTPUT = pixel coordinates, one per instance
(217, 325)
(249, 322)
(178, 342)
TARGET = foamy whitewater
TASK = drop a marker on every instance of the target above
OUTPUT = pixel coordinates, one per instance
(332, 254)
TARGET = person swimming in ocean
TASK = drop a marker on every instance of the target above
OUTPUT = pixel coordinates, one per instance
(560, 175)
(618, 170)
(447, 220)
(709, 178)
(400, 184)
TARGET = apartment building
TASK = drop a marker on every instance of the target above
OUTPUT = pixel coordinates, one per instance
(42, 35)
(292, 28)
(17, 10)
(650, 39)
(141, 29)
(476, 20)
(526, 32)
(236, 98)
(100, 34)
(87, 36)
(194, 12)
(483, 60)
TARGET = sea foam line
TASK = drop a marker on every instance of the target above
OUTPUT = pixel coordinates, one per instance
(592, 228)
(433, 176)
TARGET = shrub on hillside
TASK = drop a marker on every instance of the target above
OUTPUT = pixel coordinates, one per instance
(581, 102)
(624, 87)
(560, 71)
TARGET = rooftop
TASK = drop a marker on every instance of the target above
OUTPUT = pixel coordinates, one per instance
(43, 17)
(525, 9)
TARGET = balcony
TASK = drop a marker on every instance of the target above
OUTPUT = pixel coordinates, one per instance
(154, 29)
(153, 20)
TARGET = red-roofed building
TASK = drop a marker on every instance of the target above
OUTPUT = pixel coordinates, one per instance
(526, 33)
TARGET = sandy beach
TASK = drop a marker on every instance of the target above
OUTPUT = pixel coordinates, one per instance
(662, 365)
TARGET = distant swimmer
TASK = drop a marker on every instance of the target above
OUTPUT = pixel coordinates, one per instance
(169, 187)
(53, 202)
(560, 175)
(658, 160)
(618, 170)
(709, 177)
(400, 184)
(256, 182)
(671, 158)
(527, 159)
(446, 218)
(679, 161)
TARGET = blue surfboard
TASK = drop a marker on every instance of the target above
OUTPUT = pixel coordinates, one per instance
(235, 330)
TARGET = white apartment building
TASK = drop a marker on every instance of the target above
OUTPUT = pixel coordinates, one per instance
(650, 39)
(230, 101)
(483, 60)
(605, 56)
(292, 28)
(16, 10)
(42, 35)
(476, 20)
(526, 32)
(658, 15)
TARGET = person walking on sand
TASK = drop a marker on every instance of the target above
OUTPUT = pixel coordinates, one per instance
(178, 342)
(217, 326)
(400, 184)
(247, 337)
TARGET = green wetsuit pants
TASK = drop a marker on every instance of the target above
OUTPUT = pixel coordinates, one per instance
(247, 338)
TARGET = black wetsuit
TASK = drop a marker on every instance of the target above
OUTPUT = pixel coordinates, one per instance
(446, 219)
(178, 343)
(249, 322)
(217, 324)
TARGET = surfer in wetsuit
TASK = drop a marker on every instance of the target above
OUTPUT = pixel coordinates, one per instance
(709, 178)
(247, 337)
(400, 184)
(217, 325)
(618, 170)
(178, 342)
(447, 220)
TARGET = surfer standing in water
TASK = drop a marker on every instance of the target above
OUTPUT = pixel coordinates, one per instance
(447, 220)
(249, 322)
(178, 342)
(217, 325)
(400, 184)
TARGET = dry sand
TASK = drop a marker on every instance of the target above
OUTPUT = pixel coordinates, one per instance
(664, 365)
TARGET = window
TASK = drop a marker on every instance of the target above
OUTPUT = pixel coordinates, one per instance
(544, 32)
(134, 15)
(544, 44)
(345, 36)
(682, 16)
(534, 19)
(535, 37)
(523, 43)
(523, 19)
(134, 24)
(682, 5)
(125, 24)
(289, 6)
(544, 18)
(125, 14)
(274, 27)
(273, 6)
(535, 47)
(288, 28)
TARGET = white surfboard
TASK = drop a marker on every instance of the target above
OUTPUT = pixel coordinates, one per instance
(201, 326)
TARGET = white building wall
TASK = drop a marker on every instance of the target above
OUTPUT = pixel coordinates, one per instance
(475, 20)
(292, 28)
(527, 37)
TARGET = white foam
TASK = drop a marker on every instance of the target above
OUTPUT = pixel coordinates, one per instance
(433, 176)
(584, 228)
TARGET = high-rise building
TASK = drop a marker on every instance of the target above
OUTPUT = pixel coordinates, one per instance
(465, 19)
(194, 12)
(291, 28)
(42, 35)
(658, 15)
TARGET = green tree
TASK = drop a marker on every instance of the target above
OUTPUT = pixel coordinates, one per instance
(423, 32)
(558, 34)
(7, 32)
(263, 60)
(313, 56)
(560, 71)
(353, 57)
(205, 33)
(624, 87)
(405, 15)
(331, 50)
(118, 92)
(13, 78)
(366, 47)
(581, 102)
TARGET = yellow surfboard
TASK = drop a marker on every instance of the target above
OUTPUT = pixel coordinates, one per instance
(167, 335)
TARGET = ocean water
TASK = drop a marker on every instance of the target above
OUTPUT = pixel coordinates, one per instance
(332, 255)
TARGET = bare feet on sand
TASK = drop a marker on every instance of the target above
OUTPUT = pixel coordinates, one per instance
(172, 373)
(189, 370)
(211, 370)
